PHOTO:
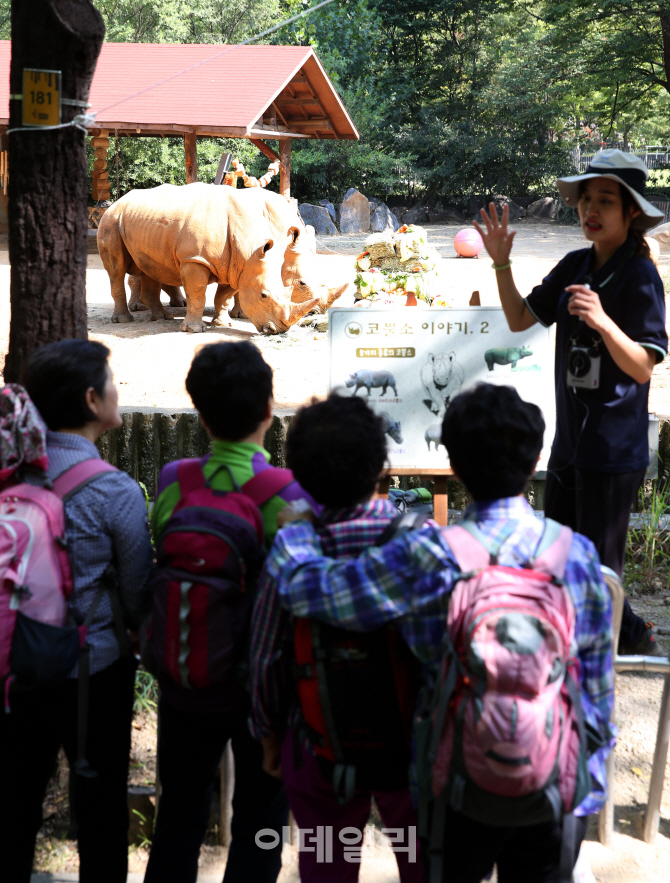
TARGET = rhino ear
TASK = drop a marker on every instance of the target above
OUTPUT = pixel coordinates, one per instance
(294, 233)
(262, 250)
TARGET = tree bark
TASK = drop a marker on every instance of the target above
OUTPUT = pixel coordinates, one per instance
(47, 186)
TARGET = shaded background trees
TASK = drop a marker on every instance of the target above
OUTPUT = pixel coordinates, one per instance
(452, 98)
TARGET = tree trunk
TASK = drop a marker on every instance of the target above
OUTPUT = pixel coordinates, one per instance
(47, 186)
(191, 157)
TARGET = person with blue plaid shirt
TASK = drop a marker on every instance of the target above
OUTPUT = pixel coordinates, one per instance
(493, 439)
(336, 450)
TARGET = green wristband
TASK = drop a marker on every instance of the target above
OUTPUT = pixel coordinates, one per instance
(504, 266)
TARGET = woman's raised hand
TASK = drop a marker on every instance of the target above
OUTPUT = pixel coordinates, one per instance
(497, 238)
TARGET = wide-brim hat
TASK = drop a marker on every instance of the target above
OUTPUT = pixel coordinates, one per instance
(628, 170)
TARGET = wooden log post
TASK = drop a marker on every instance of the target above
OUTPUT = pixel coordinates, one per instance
(100, 187)
(48, 241)
(191, 156)
(285, 167)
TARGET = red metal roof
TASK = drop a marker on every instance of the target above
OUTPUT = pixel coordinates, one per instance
(216, 87)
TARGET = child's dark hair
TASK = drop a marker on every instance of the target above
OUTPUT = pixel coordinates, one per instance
(493, 439)
(57, 377)
(230, 384)
(337, 450)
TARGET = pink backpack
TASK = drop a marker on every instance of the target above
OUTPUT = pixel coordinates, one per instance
(38, 645)
(508, 744)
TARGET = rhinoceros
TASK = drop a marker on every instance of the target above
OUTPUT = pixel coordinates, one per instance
(246, 240)
(372, 380)
(508, 356)
(391, 427)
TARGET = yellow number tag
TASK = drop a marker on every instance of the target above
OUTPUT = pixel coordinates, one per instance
(41, 97)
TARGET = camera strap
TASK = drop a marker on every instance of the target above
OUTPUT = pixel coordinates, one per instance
(586, 279)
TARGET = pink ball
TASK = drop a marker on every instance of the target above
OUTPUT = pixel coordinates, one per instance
(468, 243)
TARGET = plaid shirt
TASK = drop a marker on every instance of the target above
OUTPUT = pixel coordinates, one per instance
(343, 533)
(410, 579)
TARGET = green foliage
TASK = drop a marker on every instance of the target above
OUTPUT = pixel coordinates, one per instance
(450, 97)
(647, 564)
(146, 692)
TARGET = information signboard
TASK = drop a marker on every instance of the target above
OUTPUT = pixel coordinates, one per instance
(408, 363)
(41, 97)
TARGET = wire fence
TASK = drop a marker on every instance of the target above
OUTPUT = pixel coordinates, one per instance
(654, 157)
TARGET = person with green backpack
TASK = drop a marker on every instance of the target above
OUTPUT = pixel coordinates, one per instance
(511, 618)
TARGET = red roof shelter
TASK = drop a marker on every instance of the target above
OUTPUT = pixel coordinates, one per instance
(256, 92)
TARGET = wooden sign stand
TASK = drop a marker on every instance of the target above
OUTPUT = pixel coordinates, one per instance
(438, 476)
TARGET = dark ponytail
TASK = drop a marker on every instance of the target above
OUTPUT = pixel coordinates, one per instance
(642, 249)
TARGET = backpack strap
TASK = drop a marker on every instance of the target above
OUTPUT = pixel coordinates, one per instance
(190, 475)
(468, 545)
(78, 476)
(267, 484)
(553, 551)
(401, 524)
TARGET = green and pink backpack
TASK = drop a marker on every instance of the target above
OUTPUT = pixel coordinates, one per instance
(504, 741)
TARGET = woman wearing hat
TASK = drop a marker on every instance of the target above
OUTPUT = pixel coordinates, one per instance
(608, 301)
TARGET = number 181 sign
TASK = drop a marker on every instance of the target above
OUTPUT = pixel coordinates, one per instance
(41, 97)
(408, 363)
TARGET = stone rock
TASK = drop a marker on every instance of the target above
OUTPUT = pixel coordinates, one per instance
(515, 211)
(474, 205)
(321, 324)
(374, 202)
(319, 218)
(354, 213)
(330, 207)
(523, 201)
(399, 211)
(544, 209)
(447, 215)
(662, 235)
(382, 219)
(416, 215)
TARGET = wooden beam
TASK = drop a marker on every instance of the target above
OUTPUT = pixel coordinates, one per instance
(298, 78)
(269, 133)
(191, 156)
(281, 116)
(300, 102)
(285, 168)
(313, 125)
(264, 149)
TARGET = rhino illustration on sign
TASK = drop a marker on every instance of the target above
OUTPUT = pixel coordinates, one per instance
(441, 378)
(433, 434)
(391, 427)
(508, 356)
(372, 380)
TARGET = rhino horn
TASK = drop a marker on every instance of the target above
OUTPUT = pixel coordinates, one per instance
(297, 311)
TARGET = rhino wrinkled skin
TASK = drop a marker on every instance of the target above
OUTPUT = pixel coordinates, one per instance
(251, 242)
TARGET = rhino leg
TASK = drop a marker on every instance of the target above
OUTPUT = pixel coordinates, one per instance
(151, 296)
(135, 285)
(174, 292)
(221, 301)
(116, 260)
(194, 278)
(236, 311)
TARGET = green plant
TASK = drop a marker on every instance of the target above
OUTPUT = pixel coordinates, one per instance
(647, 563)
(146, 692)
(143, 840)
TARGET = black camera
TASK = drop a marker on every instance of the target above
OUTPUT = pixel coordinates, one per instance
(584, 367)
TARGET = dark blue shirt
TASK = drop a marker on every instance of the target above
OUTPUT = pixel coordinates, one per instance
(604, 429)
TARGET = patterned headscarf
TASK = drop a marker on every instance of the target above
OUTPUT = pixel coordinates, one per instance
(22, 432)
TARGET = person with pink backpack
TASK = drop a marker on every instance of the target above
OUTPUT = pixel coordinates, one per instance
(511, 618)
(75, 560)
